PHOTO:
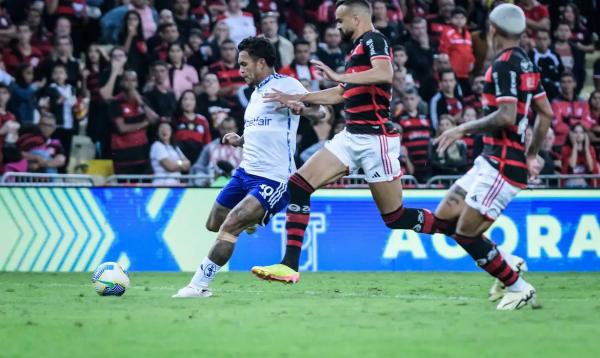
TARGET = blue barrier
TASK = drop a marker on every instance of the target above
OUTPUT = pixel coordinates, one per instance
(75, 229)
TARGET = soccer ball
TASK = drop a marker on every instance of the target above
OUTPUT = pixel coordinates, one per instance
(110, 279)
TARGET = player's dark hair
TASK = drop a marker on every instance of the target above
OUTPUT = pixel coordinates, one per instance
(259, 47)
(354, 3)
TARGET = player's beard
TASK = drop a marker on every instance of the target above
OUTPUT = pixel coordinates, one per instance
(346, 35)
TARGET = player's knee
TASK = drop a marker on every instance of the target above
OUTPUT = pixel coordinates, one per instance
(212, 226)
(235, 222)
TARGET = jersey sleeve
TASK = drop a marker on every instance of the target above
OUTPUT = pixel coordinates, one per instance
(377, 46)
(505, 79)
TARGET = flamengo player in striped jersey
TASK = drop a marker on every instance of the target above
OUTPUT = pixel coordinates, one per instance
(258, 189)
(512, 86)
(369, 141)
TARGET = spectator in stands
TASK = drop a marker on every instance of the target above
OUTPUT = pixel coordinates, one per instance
(438, 22)
(112, 21)
(160, 96)
(192, 130)
(445, 101)
(417, 131)
(330, 51)
(111, 77)
(227, 69)
(572, 58)
(400, 58)
(209, 98)
(98, 127)
(455, 41)
(310, 34)
(44, 154)
(596, 70)
(197, 52)
(270, 31)
(62, 54)
(184, 19)
(475, 99)
(218, 159)
(594, 105)
(240, 23)
(383, 23)
(21, 51)
(168, 161)
(324, 131)
(131, 38)
(7, 28)
(548, 62)
(301, 68)
(552, 160)
(23, 90)
(9, 126)
(40, 37)
(581, 36)
(130, 116)
(182, 76)
(420, 57)
(454, 161)
(481, 48)
(471, 140)
(578, 157)
(538, 17)
(60, 99)
(219, 34)
(569, 109)
(5, 78)
(158, 45)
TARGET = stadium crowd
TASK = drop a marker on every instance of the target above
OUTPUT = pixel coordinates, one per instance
(155, 84)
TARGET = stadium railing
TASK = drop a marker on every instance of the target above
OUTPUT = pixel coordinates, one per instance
(441, 181)
(195, 180)
(43, 179)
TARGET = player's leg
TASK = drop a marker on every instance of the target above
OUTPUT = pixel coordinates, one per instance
(486, 199)
(379, 160)
(246, 213)
(217, 216)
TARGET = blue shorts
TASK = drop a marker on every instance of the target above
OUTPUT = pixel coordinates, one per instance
(272, 194)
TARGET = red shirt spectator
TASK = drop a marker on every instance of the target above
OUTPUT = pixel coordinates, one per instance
(228, 70)
(569, 110)
(192, 129)
(579, 158)
(22, 51)
(455, 41)
(538, 16)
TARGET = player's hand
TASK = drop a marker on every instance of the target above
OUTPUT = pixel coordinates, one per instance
(233, 138)
(295, 106)
(535, 163)
(326, 71)
(447, 138)
(281, 97)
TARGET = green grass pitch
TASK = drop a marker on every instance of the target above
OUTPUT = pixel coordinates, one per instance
(325, 315)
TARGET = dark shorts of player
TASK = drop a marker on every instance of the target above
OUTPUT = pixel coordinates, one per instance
(271, 194)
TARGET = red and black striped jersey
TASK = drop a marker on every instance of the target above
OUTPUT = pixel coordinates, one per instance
(417, 131)
(512, 77)
(368, 106)
(228, 76)
(130, 148)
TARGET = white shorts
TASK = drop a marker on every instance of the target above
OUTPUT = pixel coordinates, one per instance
(377, 155)
(487, 191)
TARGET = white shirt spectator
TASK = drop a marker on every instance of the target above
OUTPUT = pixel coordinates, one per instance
(158, 152)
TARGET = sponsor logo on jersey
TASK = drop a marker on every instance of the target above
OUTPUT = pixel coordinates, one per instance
(257, 122)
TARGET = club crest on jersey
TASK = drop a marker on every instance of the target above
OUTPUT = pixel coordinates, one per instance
(526, 66)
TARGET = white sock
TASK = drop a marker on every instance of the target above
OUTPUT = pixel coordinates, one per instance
(519, 285)
(205, 273)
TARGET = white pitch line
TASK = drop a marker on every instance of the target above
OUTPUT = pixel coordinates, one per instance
(308, 293)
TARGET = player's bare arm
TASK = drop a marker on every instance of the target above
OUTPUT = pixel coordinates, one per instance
(381, 72)
(332, 95)
(503, 117)
(544, 118)
(234, 139)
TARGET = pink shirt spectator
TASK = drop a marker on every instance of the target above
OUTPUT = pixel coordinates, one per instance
(148, 25)
(183, 79)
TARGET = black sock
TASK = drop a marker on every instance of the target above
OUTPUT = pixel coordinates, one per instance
(297, 217)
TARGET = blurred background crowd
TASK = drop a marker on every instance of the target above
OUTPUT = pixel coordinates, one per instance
(151, 86)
